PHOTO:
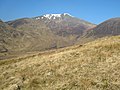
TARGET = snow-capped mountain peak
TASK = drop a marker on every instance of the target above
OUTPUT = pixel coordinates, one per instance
(53, 16)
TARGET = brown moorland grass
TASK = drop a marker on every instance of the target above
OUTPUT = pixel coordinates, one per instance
(93, 66)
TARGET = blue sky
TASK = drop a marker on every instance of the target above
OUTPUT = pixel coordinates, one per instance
(95, 11)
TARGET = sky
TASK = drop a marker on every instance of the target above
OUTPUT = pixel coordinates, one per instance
(95, 11)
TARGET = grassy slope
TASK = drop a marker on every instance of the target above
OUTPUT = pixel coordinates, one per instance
(93, 66)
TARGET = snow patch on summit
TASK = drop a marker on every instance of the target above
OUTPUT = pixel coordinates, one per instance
(49, 16)
(53, 16)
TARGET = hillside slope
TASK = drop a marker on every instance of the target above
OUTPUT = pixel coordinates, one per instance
(109, 27)
(93, 66)
(14, 42)
(10, 39)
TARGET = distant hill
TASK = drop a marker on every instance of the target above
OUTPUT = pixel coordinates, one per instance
(93, 66)
(109, 27)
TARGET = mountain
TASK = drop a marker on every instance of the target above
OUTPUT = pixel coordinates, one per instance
(65, 24)
(60, 24)
(64, 29)
(93, 66)
(110, 27)
(50, 31)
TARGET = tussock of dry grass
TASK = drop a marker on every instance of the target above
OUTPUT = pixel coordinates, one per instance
(94, 66)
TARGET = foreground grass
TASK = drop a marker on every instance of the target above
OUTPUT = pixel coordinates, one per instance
(93, 66)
